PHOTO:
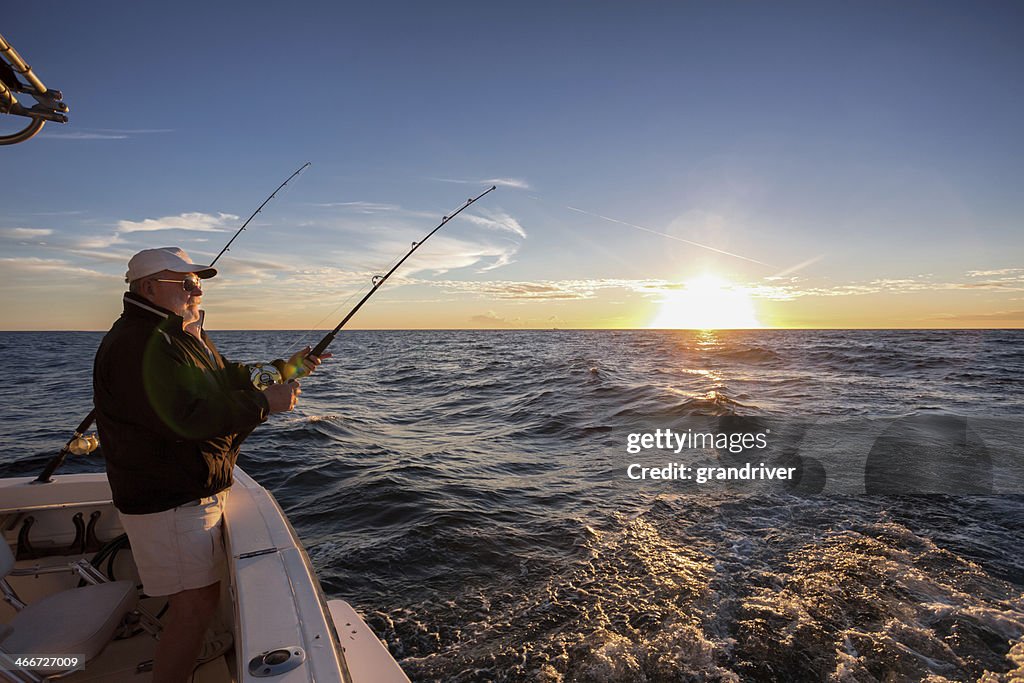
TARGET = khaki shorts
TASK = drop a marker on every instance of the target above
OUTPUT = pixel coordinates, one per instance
(179, 549)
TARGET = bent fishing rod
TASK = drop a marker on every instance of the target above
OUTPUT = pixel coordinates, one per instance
(264, 375)
(79, 443)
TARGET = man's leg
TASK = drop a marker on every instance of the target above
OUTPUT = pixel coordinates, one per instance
(188, 617)
(174, 549)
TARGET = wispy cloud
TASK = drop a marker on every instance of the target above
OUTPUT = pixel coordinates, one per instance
(794, 288)
(361, 207)
(492, 319)
(247, 266)
(375, 246)
(100, 133)
(52, 267)
(81, 135)
(1015, 273)
(445, 253)
(543, 289)
(496, 220)
(24, 233)
(1008, 316)
(105, 256)
(788, 292)
(134, 131)
(330, 281)
(195, 221)
(499, 261)
(797, 288)
(98, 241)
(517, 183)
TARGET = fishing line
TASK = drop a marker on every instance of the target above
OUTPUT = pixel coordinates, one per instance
(301, 341)
(264, 375)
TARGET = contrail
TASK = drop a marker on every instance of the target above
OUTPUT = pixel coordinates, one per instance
(799, 266)
(671, 237)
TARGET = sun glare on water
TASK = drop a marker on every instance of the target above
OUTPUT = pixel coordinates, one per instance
(707, 303)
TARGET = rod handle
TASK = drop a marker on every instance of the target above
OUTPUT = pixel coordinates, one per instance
(319, 349)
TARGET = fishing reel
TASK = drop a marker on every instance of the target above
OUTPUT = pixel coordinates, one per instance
(84, 445)
(264, 375)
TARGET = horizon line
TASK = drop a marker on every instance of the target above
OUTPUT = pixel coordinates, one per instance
(572, 329)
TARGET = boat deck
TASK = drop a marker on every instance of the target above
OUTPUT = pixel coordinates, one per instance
(272, 601)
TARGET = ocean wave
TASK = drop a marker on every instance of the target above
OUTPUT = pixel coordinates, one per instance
(713, 403)
(466, 492)
(754, 354)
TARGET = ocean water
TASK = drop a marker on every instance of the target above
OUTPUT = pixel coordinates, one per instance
(468, 492)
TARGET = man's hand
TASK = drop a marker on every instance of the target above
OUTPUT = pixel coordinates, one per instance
(282, 397)
(302, 363)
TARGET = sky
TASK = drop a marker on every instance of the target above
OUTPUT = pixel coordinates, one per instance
(658, 164)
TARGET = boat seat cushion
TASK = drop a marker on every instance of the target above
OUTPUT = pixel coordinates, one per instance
(78, 621)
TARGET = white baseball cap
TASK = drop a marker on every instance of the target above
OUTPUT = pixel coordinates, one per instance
(150, 261)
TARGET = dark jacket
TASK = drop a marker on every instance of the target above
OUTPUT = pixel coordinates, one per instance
(171, 415)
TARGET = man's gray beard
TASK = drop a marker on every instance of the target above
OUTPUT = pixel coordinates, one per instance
(191, 315)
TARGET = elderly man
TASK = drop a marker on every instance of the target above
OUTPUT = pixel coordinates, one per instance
(171, 414)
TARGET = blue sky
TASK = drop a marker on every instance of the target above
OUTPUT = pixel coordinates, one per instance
(869, 153)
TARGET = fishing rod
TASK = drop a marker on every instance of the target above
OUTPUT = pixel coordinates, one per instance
(82, 444)
(227, 247)
(264, 375)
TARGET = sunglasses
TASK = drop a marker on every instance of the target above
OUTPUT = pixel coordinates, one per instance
(190, 283)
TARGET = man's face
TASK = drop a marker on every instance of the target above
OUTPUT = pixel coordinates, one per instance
(173, 297)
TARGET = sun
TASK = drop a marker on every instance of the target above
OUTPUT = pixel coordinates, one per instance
(707, 303)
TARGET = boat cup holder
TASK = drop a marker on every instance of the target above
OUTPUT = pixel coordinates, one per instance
(276, 662)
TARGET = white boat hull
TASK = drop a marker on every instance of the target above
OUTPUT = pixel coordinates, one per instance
(276, 604)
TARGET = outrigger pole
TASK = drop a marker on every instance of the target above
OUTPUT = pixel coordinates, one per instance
(79, 443)
(49, 106)
(265, 375)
